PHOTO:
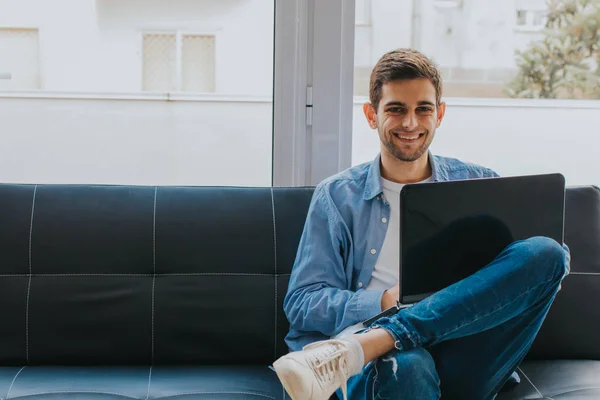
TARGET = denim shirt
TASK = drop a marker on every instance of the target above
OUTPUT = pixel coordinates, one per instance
(342, 237)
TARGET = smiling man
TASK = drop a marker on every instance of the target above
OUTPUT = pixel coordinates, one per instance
(463, 342)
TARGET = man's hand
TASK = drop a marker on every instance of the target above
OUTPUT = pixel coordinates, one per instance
(390, 297)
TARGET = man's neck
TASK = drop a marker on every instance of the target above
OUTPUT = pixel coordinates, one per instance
(399, 171)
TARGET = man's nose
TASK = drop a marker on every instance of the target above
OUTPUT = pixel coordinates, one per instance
(409, 122)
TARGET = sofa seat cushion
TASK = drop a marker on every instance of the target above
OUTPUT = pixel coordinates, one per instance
(140, 383)
(558, 380)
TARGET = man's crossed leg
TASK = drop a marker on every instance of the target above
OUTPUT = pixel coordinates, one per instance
(463, 342)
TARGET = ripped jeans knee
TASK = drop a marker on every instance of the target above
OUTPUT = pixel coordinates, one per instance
(409, 374)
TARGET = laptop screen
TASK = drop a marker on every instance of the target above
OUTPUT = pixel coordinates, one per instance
(449, 230)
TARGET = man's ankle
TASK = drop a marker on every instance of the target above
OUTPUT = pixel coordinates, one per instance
(375, 343)
(358, 355)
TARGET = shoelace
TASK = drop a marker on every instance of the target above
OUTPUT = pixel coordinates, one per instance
(329, 364)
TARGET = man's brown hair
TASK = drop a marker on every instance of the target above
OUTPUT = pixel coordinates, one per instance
(403, 64)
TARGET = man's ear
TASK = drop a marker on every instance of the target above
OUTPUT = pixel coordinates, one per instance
(440, 113)
(371, 115)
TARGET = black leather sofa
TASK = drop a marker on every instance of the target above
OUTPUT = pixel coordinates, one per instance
(120, 292)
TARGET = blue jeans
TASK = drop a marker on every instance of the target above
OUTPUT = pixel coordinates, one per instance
(465, 341)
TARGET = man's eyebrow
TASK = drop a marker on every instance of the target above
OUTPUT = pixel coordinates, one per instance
(401, 104)
(395, 103)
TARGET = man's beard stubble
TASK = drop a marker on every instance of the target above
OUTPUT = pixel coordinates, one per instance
(402, 156)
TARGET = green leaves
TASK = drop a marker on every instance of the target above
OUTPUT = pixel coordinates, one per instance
(566, 62)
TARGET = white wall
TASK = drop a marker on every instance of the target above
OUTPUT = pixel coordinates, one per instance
(229, 142)
(510, 136)
(95, 45)
(244, 31)
(480, 34)
(149, 142)
(391, 27)
(487, 39)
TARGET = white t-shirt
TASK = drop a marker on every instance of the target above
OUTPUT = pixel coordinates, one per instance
(385, 275)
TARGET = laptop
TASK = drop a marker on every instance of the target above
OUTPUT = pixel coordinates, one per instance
(449, 230)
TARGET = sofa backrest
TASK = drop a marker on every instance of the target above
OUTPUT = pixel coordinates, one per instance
(177, 275)
(572, 328)
(139, 275)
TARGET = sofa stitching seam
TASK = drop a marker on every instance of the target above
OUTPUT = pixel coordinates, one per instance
(29, 280)
(275, 266)
(149, 381)
(153, 268)
(13, 381)
(584, 273)
(530, 382)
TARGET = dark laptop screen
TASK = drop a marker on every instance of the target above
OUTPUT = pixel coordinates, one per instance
(449, 230)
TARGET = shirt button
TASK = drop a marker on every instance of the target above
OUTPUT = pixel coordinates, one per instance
(373, 251)
(384, 220)
(360, 284)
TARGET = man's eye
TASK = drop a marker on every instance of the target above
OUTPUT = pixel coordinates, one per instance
(394, 110)
(425, 109)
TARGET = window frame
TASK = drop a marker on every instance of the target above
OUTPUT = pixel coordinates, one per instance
(314, 61)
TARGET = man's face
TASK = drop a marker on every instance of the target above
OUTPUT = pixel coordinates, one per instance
(406, 118)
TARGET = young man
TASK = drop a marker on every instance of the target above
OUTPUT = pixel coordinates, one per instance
(463, 342)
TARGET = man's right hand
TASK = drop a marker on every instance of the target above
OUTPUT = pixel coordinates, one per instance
(390, 297)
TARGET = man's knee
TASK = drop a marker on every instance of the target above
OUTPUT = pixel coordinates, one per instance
(412, 367)
(543, 254)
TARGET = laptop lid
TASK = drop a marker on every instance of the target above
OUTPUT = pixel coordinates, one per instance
(449, 230)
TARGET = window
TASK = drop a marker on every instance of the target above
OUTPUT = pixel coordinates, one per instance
(160, 62)
(512, 87)
(521, 17)
(134, 92)
(198, 63)
(531, 19)
(19, 59)
(485, 47)
(174, 62)
(539, 19)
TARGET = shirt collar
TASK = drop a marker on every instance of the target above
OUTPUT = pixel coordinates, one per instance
(373, 182)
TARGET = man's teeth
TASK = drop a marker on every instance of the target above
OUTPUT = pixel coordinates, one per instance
(409, 137)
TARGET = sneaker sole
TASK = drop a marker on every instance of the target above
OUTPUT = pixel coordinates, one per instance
(287, 379)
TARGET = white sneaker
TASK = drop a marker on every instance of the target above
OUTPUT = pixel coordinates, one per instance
(316, 372)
